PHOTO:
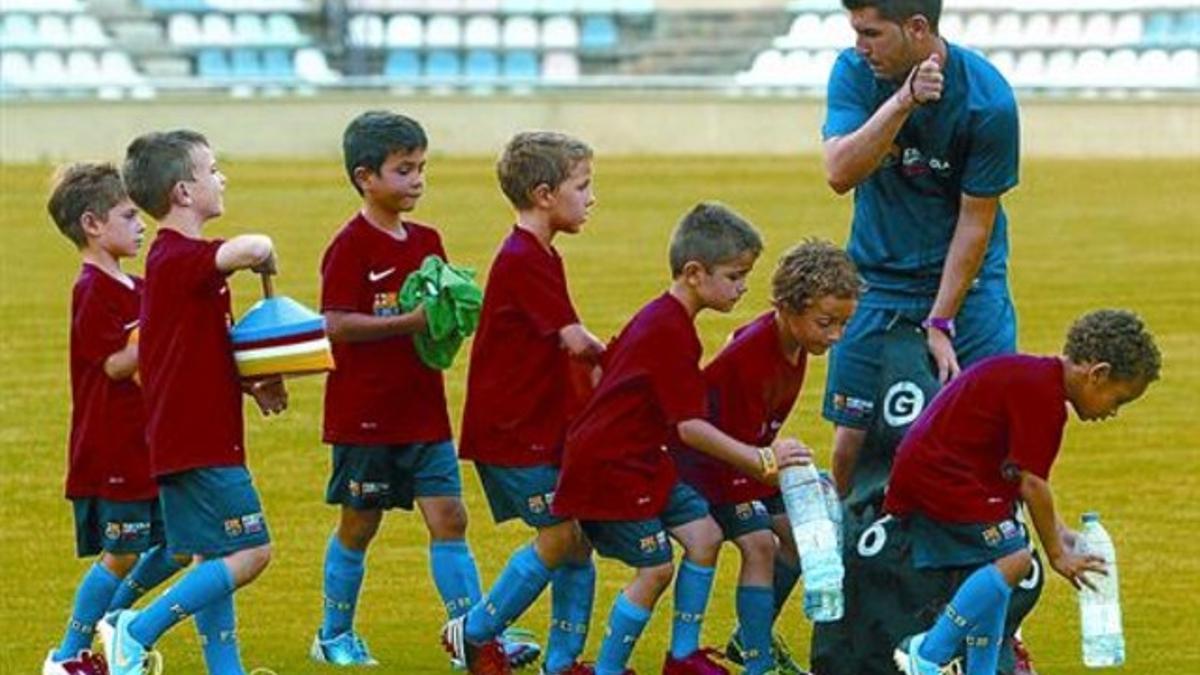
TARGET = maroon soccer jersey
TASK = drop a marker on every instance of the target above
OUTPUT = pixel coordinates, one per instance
(193, 393)
(751, 389)
(961, 461)
(107, 456)
(518, 386)
(380, 393)
(615, 462)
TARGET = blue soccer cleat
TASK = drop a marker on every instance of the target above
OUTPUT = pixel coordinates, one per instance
(347, 649)
(520, 646)
(125, 655)
(910, 662)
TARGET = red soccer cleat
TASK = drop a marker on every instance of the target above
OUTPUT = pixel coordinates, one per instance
(485, 659)
(703, 661)
(1024, 665)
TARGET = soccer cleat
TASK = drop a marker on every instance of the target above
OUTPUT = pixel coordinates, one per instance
(703, 661)
(1024, 663)
(485, 659)
(347, 649)
(784, 663)
(104, 629)
(83, 663)
(126, 656)
(520, 646)
(579, 668)
(910, 663)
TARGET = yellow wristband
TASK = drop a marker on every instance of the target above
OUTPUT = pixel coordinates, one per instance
(769, 466)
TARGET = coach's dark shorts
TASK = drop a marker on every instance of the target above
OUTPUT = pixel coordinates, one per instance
(116, 527)
(524, 492)
(391, 476)
(644, 543)
(212, 512)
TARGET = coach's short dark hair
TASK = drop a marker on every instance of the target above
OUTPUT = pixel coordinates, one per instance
(80, 188)
(375, 134)
(712, 234)
(155, 163)
(899, 10)
(813, 269)
(1116, 337)
(533, 158)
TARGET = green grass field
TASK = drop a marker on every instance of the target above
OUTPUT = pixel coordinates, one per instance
(1084, 234)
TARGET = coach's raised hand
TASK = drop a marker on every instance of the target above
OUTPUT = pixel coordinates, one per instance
(924, 83)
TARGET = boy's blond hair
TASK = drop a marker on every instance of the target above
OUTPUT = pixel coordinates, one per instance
(534, 158)
(155, 163)
(1117, 337)
(82, 188)
(813, 269)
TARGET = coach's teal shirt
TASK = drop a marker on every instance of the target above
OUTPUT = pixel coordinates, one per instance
(905, 212)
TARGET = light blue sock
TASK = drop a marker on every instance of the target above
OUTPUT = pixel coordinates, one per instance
(571, 593)
(91, 598)
(786, 577)
(975, 601)
(217, 627)
(519, 584)
(693, 584)
(625, 625)
(984, 640)
(754, 605)
(206, 583)
(455, 575)
(153, 567)
(344, 570)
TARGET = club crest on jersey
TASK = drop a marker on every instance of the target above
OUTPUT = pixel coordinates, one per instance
(992, 536)
(233, 527)
(852, 406)
(537, 504)
(386, 304)
(112, 531)
(251, 523)
(652, 543)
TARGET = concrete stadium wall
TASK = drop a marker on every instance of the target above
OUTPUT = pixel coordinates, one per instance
(616, 123)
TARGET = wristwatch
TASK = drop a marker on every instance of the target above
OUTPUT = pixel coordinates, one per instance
(943, 324)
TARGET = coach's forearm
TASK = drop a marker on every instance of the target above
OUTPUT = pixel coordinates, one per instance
(850, 159)
(968, 246)
(359, 327)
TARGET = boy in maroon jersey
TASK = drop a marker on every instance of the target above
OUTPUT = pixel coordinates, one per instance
(108, 474)
(518, 396)
(385, 410)
(193, 399)
(752, 385)
(617, 477)
(988, 440)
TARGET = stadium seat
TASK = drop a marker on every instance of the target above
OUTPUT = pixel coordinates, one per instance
(836, 32)
(311, 66)
(1091, 70)
(1128, 30)
(798, 69)
(1030, 69)
(1007, 30)
(117, 68)
(1154, 67)
(441, 64)
(768, 68)
(83, 69)
(87, 32)
(560, 32)
(212, 63)
(1188, 29)
(282, 30)
(184, 30)
(405, 30)
(1160, 27)
(365, 30)
(520, 32)
(277, 63)
(482, 64)
(1060, 69)
(20, 31)
(977, 32)
(482, 31)
(599, 33)
(1185, 67)
(402, 64)
(248, 29)
(804, 32)
(15, 70)
(1122, 69)
(560, 66)
(1098, 30)
(951, 27)
(521, 64)
(1068, 30)
(245, 63)
(49, 69)
(443, 30)
(1004, 61)
(217, 29)
(635, 7)
(1039, 30)
(52, 31)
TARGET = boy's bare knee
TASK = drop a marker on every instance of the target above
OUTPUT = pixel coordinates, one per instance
(757, 547)
(704, 543)
(357, 527)
(120, 564)
(445, 517)
(1015, 566)
(658, 577)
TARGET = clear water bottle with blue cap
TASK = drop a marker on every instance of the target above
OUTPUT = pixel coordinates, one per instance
(1100, 610)
(816, 540)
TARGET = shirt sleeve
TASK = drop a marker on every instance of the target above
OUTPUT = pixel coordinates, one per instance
(994, 153)
(677, 381)
(847, 105)
(97, 331)
(343, 278)
(541, 293)
(1035, 428)
(194, 266)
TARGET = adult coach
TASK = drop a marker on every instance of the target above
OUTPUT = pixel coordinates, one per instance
(926, 134)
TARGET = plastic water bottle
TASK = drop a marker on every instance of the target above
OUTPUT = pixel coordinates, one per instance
(816, 539)
(833, 505)
(1100, 610)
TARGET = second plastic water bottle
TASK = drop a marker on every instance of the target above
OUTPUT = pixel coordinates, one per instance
(816, 540)
(1100, 610)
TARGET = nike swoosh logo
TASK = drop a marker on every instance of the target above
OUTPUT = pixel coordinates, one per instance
(376, 276)
(131, 325)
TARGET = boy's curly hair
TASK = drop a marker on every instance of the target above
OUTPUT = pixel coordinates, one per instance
(80, 188)
(1117, 337)
(813, 269)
